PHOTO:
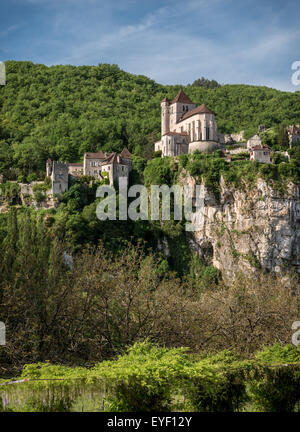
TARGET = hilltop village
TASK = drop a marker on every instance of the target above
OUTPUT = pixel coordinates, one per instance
(185, 129)
(95, 165)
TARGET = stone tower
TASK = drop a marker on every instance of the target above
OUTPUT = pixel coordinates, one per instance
(49, 167)
(58, 172)
(181, 105)
(165, 116)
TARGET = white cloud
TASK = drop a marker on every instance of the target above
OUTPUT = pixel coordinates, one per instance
(169, 46)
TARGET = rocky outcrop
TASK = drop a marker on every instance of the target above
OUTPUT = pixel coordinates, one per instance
(248, 229)
(234, 138)
(25, 195)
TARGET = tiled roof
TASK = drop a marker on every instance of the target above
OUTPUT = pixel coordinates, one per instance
(182, 98)
(98, 155)
(113, 158)
(202, 109)
(76, 164)
(126, 154)
(260, 148)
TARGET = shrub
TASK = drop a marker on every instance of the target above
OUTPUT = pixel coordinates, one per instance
(39, 196)
(143, 379)
(217, 384)
(31, 177)
(277, 388)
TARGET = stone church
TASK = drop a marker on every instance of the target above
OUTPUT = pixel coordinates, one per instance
(186, 127)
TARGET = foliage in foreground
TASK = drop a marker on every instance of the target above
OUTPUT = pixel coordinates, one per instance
(148, 378)
(90, 310)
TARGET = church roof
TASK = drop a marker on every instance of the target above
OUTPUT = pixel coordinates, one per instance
(125, 154)
(182, 98)
(202, 109)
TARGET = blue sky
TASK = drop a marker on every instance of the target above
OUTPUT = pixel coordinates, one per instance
(173, 42)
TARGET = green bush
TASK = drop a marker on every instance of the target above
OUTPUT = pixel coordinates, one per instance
(39, 196)
(277, 388)
(31, 177)
(217, 384)
(144, 379)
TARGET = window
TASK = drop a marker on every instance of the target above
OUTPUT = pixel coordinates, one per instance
(207, 133)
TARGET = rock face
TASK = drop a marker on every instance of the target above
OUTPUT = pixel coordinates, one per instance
(248, 229)
(234, 138)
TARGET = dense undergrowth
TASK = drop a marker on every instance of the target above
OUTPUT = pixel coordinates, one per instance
(148, 378)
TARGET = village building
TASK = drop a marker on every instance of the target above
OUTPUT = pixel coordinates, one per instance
(117, 165)
(254, 141)
(94, 165)
(261, 154)
(59, 174)
(75, 169)
(186, 127)
(294, 135)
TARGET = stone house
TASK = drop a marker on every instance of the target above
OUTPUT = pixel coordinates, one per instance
(254, 141)
(92, 163)
(75, 169)
(117, 165)
(59, 173)
(186, 127)
(261, 154)
(294, 135)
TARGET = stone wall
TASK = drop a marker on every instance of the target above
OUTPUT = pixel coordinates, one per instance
(231, 138)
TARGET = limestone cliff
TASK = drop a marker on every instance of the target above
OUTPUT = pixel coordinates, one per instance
(246, 229)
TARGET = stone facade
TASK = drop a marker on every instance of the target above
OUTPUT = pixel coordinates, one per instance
(75, 169)
(59, 173)
(92, 163)
(116, 165)
(261, 154)
(173, 144)
(254, 141)
(186, 128)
